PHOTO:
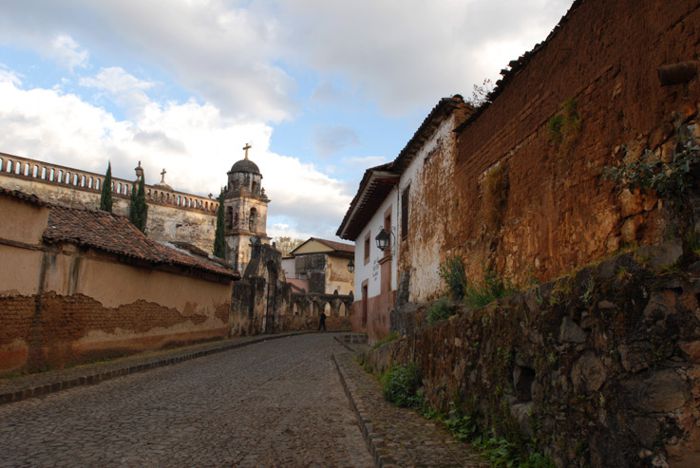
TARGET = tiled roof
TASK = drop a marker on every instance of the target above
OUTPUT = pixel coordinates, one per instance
(378, 181)
(25, 197)
(337, 247)
(115, 234)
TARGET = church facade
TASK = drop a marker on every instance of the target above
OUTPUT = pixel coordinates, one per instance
(173, 215)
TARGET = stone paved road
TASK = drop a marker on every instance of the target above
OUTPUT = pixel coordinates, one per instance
(278, 403)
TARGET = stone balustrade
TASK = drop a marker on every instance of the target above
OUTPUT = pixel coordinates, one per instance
(55, 174)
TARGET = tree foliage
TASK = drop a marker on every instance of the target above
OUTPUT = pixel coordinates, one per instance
(219, 242)
(106, 195)
(138, 211)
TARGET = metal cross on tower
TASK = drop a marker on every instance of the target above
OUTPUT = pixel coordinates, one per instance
(162, 176)
(246, 148)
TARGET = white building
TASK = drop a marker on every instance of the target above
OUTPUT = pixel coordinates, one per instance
(399, 200)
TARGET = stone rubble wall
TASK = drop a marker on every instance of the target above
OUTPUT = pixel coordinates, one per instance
(601, 368)
(531, 202)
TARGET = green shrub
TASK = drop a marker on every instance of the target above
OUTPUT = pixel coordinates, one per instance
(400, 386)
(492, 288)
(461, 426)
(452, 272)
(672, 181)
(440, 310)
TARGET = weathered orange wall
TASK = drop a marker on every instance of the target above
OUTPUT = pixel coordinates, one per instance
(559, 213)
(92, 305)
(21, 221)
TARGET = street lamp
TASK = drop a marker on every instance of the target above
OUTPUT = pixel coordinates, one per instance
(383, 239)
(351, 266)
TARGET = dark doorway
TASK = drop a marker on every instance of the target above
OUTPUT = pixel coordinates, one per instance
(271, 297)
(364, 304)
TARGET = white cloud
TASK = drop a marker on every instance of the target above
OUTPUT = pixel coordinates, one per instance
(403, 54)
(408, 53)
(195, 142)
(9, 76)
(365, 161)
(127, 90)
(115, 80)
(68, 53)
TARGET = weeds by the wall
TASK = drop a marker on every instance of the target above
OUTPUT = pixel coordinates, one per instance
(400, 386)
(492, 288)
(671, 181)
(495, 196)
(452, 273)
(393, 336)
(565, 126)
(499, 451)
(439, 310)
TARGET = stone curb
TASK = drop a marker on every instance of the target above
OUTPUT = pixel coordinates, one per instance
(343, 344)
(96, 377)
(364, 422)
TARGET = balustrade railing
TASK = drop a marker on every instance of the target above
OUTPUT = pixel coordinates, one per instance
(54, 174)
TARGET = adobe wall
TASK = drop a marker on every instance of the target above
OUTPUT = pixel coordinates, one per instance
(172, 215)
(62, 305)
(546, 210)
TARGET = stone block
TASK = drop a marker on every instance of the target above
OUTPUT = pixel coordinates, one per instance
(661, 392)
(628, 231)
(630, 203)
(588, 373)
(634, 357)
(692, 349)
(570, 332)
(663, 255)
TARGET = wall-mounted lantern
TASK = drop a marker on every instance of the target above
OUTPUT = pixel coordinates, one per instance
(383, 239)
(351, 266)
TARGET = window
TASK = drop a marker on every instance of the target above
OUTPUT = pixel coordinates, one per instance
(366, 248)
(229, 217)
(253, 219)
(404, 213)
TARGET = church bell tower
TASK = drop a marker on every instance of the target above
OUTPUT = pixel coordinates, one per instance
(245, 211)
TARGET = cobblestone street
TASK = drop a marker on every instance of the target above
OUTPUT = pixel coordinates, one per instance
(274, 403)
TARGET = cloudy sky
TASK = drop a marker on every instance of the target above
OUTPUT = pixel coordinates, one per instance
(321, 89)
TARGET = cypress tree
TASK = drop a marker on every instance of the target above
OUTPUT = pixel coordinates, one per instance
(138, 211)
(219, 244)
(106, 195)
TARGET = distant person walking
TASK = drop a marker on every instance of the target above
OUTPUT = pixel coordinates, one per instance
(322, 322)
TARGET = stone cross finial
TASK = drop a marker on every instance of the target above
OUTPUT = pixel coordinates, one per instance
(246, 148)
(162, 176)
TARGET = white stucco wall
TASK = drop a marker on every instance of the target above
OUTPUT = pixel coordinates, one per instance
(371, 270)
(423, 255)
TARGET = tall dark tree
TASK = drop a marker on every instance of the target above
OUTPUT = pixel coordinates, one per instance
(219, 243)
(138, 211)
(106, 196)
